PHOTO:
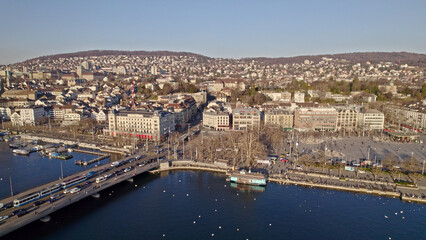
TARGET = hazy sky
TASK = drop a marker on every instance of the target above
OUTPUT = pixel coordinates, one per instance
(215, 28)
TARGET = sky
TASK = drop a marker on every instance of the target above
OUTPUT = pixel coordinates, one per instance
(228, 28)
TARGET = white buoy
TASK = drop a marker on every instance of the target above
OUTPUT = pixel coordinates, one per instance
(194, 222)
(386, 216)
(199, 216)
(220, 227)
(164, 235)
(212, 234)
(238, 229)
(136, 185)
(187, 195)
(270, 224)
(215, 210)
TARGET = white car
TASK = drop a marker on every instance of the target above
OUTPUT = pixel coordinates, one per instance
(75, 190)
(2, 218)
(67, 190)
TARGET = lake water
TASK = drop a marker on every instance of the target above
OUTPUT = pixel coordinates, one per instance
(34, 170)
(202, 205)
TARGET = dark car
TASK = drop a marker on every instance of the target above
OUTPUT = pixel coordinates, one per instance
(17, 211)
(21, 213)
(36, 203)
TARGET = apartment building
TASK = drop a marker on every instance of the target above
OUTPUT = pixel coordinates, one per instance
(279, 117)
(144, 124)
(245, 118)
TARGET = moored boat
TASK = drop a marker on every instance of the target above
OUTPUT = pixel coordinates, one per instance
(249, 178)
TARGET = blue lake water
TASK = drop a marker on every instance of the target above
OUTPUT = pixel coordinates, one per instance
(34, 170)
(202, 205)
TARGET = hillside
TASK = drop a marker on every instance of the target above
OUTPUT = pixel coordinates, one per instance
(117, 52)
(412, 59)
(358, 57)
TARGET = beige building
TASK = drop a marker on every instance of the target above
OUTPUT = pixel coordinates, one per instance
(371, 119)
(322, 119)
(245, 118)
(154, 125)
(216, 120)
(299, 97)
(347, 118)
(278, 117)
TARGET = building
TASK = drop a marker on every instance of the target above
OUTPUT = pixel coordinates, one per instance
(20, 94)
(347, 118)
(299, 97)
(245, 118)
(279, 117)
(143, 124)
(371, 119)
(321, 119)
(30, 116)
(216, 120)
(72, 118)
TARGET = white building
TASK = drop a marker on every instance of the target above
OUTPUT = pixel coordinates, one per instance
(216, 120)
(371, 119)
(299, 97)
(29, 116)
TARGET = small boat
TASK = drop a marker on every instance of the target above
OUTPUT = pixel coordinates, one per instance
(45, 219)
(64, 156)
(15, 145)
(21, 151)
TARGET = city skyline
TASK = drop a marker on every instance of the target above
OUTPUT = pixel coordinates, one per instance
(234, 29)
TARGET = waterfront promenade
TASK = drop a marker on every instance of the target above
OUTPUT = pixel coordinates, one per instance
(315, 180)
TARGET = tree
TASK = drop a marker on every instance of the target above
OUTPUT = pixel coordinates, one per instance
(167, 88)
(355, 85)
(411, 165)
(389, 162)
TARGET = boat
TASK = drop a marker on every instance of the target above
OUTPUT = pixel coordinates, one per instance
(54, 154)
(21, 151)
(249, 178)
(64, 156)
(15, 145)
(45, 219)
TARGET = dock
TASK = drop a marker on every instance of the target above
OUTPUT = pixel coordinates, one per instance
(102, 156)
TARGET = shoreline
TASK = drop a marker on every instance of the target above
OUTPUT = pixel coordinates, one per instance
(213, 168)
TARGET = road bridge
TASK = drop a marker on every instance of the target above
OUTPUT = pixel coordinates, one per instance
(128, 168)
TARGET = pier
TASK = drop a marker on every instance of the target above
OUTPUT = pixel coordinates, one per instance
(88, 187)
(102, 156)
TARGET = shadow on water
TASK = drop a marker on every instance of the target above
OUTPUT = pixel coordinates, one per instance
(71, 214)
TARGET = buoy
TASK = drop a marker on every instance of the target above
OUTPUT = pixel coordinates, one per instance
(238, 229)
(164, 190)
(164, 235)
(136, 185)
(194, 222)
(187, 195)
(199, 216)
(386, 216)
(212, 234)
(270, 224)
(220, 227)
(215, 210)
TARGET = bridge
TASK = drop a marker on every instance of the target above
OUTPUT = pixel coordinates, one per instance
(89, 187)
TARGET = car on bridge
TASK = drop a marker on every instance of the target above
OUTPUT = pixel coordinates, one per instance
(3, 218)
(75, 190)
